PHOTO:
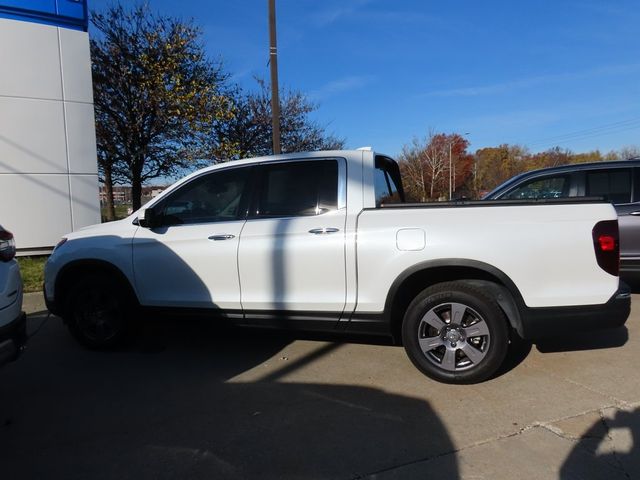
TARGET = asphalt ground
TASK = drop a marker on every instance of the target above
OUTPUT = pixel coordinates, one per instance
(192, 399)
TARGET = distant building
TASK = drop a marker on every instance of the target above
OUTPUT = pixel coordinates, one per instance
(48, 165)
(155, 191)
(122, 194)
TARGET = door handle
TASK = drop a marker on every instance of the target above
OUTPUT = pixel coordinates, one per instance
(323, 230)
(636, 213)
(224, 236)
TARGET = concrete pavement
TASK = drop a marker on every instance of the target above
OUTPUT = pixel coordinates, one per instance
(193, 400)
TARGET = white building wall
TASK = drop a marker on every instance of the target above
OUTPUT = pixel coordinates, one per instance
(48, 166)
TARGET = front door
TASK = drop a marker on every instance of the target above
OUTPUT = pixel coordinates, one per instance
(191, 260)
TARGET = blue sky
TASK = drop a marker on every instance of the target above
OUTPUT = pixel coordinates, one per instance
(537, 73)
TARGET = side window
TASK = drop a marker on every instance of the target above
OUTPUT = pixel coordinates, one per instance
(213, 197)
(385, 188)
(380, 185)
(298, 188)
(613, 185)
(548, 187)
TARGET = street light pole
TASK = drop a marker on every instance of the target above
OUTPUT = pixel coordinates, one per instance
(475, 176)
(450, 190)
(273, 63)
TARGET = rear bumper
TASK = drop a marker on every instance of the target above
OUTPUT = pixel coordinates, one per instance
(13, 338)
(559, 321)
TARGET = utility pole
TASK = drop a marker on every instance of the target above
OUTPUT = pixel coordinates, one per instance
(273, 63)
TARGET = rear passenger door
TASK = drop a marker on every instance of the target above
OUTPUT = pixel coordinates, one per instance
(291, 256)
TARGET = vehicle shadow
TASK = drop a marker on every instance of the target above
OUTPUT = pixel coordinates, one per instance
(519, 350)
(177, 411)
(611, 338)
(613, 441)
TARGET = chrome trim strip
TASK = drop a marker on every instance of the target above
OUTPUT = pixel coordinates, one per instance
(342, 183)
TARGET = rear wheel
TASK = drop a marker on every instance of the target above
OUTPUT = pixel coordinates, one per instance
(455, 333)
(97, 312)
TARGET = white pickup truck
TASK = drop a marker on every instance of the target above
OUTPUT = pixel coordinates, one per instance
(325, 241)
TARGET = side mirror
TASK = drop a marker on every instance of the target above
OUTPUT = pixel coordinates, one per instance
(148, 218)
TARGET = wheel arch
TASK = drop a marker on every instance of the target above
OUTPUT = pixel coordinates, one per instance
(425, 274)
(73, 270)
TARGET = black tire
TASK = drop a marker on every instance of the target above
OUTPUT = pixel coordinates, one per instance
(468, 348)
(97, 312)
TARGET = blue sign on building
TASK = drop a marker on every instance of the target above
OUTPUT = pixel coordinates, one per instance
(60, 13)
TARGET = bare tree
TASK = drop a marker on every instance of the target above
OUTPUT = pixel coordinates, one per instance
(629, 151)
(248, 132)
(413, 171)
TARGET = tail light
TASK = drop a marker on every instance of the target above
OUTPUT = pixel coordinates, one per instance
(7, 246)
(606, 241)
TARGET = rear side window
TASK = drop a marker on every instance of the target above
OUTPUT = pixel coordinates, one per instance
(612, 185)
(385, 187)
(298, 189)
(548, 187)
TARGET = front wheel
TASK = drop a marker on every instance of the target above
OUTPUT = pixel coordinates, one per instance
(97, 312)
(455, 333)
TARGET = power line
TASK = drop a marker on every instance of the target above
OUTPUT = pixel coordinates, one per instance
(589, 130)
(607, 129)
(585, 137)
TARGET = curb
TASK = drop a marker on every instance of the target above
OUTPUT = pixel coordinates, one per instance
(33, 302)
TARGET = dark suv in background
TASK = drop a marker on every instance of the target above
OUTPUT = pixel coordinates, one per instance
(617, 182)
